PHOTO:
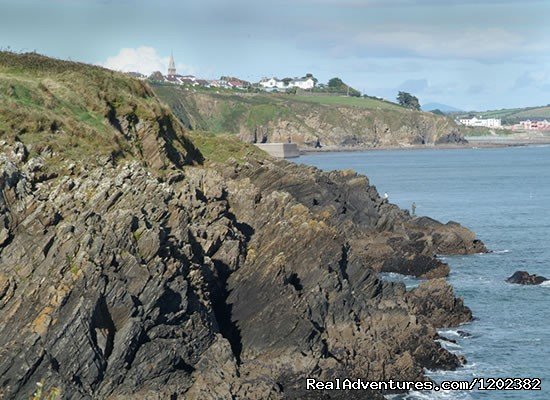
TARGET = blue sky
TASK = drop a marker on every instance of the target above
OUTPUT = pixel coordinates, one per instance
(481, 54)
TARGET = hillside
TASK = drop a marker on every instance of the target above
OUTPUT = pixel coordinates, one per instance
(328, 121)
(49, 107)
(513, 116)
(140, 261)
(441, 107)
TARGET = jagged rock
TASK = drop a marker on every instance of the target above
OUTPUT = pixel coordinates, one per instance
(525, 278)
(210, 287)
(20, 152)
(435, 301)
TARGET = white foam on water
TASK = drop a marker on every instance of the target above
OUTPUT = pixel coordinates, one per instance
(501, 251)
(545, 284)
(449, 345)
(448, 332)
(441, 395)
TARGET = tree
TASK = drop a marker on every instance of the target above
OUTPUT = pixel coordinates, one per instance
(156, 76)
(408, 100)
(287, 81)
(310, 75)
(437, 111)
(336, 83)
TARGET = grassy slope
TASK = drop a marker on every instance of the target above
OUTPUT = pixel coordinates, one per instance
(68, 108)
(221, 147)
(226, 111)
(359, 102)
(81, 112)
(258, 108)
(514, 115)
(47, 102)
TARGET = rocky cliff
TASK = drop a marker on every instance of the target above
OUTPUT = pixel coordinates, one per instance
(311, 121)
(173, 272)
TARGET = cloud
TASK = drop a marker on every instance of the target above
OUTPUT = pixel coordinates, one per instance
(142, 59)
(414, 85)
(475, 89)
(473, 44)
(533, 79)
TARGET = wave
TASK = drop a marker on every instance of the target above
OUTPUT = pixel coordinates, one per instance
(449, 332)
(432, 396)
(501, 251)
(449, 345)
(545, 284)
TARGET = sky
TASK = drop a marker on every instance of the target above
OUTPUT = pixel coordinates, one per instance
(470, 54)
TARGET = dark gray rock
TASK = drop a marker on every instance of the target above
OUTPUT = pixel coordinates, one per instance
(525, 278)
(212, 286)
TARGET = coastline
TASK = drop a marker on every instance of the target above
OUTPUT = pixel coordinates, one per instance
(473, 143)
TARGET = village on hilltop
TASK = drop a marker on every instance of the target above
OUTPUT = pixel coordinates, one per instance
(496, 123)
(307, 82)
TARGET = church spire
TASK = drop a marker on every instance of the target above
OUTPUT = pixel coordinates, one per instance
(171, 65)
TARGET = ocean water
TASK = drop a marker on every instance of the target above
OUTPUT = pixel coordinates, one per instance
(502, 194)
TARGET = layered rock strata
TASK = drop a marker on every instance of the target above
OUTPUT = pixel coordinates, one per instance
(237, 281)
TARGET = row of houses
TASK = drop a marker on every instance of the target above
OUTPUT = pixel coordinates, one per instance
(529, 125)
(306, 83)
(482, 122)
(496, 123)
(191, 80)
(267, 84)
(227, 82)
(224, 83)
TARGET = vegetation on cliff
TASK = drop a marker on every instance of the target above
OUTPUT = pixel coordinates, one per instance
(309, 120)
(76, 111)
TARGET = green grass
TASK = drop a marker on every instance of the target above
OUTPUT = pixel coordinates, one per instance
(228, 118)
(514, 115)
(84, 112)
(481, 131)
(322, 117)
(360, 102)
(261, 114)
(221, 147)
(230, 111)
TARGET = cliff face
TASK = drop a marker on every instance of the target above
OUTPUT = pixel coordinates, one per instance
(309, 121)
(208, 280)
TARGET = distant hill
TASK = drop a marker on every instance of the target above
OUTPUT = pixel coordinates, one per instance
(512, 116)
(440, 106)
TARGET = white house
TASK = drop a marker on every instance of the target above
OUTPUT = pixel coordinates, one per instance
(274, 83)
(487, 123)
(303, 83)
(271, 83)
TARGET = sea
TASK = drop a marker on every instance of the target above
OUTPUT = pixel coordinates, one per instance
(502, 194)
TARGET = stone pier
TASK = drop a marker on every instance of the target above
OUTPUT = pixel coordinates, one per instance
(280, 150)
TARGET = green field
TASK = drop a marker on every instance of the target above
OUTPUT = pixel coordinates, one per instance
(512, 116)
(234, 110)
(361, 102)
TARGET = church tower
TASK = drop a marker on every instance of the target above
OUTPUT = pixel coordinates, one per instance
(171, 66)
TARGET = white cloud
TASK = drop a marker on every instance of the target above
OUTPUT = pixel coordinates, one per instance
(143, 59)
(474, 44)
(533, 79)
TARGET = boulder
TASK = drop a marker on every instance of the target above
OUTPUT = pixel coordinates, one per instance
(525, 278)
